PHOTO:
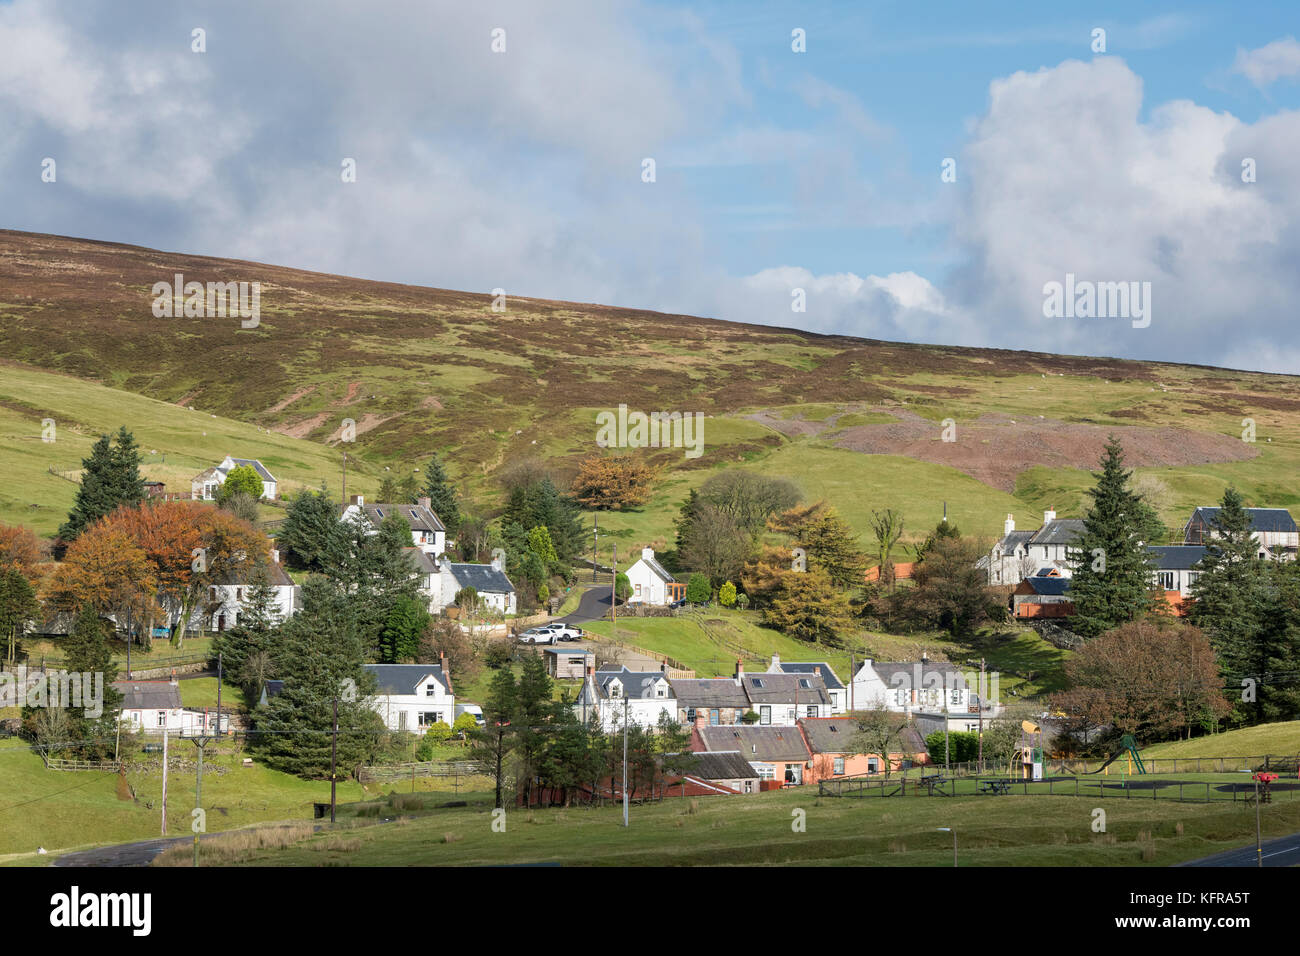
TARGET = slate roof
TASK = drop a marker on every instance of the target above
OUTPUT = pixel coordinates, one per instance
(421, 560)
(1049, 586)
(821, 668)
(1261, 519)
(1176, 557)
(757, 742)
(834, 735)
(483, 578)
(405, 679)
(417, 516)
(1058, 531)
(256, 465)
(246, 576)
(657, 569)
(1012, 540)
(706, 692)
(636, 684)
(765, 688)
(148, 695)
(721, 765)
(889, 670)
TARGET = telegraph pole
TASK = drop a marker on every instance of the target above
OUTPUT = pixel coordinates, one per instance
(201, 743)
(334, 757)
(625, 707)
(981, 714)
(345, 477)
(595, 544)
(219, 674)
(613, 595)
(164, 782)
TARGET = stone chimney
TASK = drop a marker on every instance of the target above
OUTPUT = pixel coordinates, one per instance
(275, 555)
(776, 664)
(1009, 525)
(647, 554)
(358, 500)
(1049, 515)
(424, 503)
(496, 564)
(740, 671)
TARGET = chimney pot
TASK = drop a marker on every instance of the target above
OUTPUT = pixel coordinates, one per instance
(358, 500)
(425, 503)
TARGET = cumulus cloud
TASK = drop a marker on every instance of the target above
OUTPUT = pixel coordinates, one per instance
(1267, 64)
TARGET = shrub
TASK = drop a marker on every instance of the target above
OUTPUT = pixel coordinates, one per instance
(749, 717)
(698, 590)
(727, 595)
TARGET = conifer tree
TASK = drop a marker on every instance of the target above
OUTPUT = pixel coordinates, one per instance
(1111, 566)
(110, 477)
(442, 496)
(1230, 603)
(312, 534)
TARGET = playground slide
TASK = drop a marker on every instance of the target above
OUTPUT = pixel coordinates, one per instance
(1109, 760)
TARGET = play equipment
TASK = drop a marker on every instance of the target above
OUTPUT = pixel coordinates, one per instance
(1029, 753)
(1127, 746)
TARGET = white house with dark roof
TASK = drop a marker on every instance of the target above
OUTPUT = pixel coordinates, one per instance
(835, 688)
(154, 707)
(651, 584)
(1273, 529)
(1019, 554)
(204, 485)
(412, 697)
(230, 598)
(923, 686)
(427, 530)
(1174, 566)
(644, 696)
(490, 581)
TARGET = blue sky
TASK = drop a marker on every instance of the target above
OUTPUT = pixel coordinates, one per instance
(775, 170)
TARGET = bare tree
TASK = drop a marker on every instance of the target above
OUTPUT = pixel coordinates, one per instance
(879, 732)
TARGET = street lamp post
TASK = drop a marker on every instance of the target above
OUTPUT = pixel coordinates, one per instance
(953, 831)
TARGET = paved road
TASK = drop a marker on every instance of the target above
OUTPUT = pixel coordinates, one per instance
(124, 854)
(593, 606)
(1284, 851)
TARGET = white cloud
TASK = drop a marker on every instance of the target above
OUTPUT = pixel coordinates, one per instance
(1267, 64)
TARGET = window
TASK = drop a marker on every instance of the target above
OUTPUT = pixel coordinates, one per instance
(715, 718)
(757, 681)
(690, 715)
(660, 691)
(791, 715)
(430, 717)
(615, 690)
(162, 718)
(838, 766)
(765, 771)
(1167, 580)
(805, 683)
(749, 786)
(431, 689)
(873, 765)
(812, 710)
(765, 714)
(638, 590)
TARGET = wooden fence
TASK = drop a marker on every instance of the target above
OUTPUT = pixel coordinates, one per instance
(411, 771)
(1094, 788)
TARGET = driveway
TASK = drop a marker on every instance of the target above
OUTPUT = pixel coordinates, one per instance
(593, 606)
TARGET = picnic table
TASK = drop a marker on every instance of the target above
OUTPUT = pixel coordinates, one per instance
(995, 787)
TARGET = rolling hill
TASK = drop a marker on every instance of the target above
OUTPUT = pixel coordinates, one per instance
(856, 421)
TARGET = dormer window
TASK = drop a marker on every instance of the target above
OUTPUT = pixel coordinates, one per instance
(616, 690)
(805, 683)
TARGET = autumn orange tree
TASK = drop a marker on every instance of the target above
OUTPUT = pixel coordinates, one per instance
(22, 550)
(106, 570)
(617, 481)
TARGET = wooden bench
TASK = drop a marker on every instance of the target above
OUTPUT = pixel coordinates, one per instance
(995, 787)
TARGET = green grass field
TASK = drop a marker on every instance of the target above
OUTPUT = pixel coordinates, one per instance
(760, 830)
(1277, 739)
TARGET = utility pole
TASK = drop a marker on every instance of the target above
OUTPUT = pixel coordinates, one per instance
(981, 715)
(164, 782)
(201, 743)
(345, 477)
(334, 757)
(219, 675)
(613, 595)
(595, 545)
(625, 708)
(1259, 844)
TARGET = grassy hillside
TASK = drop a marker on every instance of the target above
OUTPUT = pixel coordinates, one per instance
(40, 478)
(859, 422)
(1278, 739)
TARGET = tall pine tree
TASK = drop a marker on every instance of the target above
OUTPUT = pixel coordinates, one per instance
(1230, 604)
(110, 477)
(442, 496)
(1111, 566)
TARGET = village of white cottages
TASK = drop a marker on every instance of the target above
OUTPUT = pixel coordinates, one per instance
(416, 609)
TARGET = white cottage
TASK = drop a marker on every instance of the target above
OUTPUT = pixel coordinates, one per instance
(231, 598)
(644, 696)
(651, 584)
(204, 485)
(427, 531)
(1020, 554)
(413, 697)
